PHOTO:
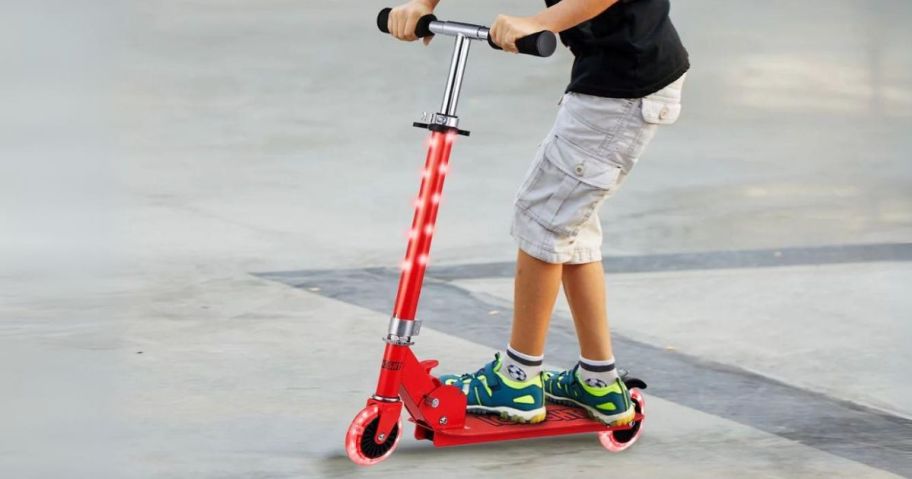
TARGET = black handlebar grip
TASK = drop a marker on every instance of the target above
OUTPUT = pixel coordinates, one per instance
(383, 19)
(541, 44)
(422, 29)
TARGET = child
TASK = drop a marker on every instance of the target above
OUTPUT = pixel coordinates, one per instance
(627, 78)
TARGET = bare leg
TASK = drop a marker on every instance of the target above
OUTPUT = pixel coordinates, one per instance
(584, 285)
(535, 292)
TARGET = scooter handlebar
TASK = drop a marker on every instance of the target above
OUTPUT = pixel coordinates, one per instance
(541, 44)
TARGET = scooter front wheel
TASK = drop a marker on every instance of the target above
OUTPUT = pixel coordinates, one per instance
(360, 444)
(621, 439)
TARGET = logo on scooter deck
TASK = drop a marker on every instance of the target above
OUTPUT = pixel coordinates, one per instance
(391, 365)
(555, 414)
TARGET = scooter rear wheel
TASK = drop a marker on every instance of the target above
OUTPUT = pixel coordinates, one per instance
(619, 440)
(360, 445)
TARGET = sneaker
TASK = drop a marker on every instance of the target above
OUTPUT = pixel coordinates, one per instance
(490, 392)
(609, 404)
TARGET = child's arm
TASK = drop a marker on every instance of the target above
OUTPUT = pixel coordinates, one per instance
(565, 14)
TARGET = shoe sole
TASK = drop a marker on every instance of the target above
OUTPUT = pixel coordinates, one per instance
(515, 415)
(620, 419)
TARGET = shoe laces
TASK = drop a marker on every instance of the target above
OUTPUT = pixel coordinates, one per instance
(476, 374)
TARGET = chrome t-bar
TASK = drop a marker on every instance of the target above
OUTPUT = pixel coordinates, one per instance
(540, 44)
(475, 32)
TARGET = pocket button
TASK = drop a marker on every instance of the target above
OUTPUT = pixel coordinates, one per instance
(579, 169)
(664, 113)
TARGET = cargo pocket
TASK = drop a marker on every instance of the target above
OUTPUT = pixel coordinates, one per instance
(567, 188)
(660, 108)
(664, 106)
(660, 111)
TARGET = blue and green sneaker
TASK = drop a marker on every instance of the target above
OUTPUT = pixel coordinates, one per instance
(609, 405)
(490, 392)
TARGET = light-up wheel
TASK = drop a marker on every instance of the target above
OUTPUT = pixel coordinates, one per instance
(361, 445)
(619, 440)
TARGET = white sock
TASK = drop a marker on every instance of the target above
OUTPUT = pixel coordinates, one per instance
(520, 366)
(597, 374)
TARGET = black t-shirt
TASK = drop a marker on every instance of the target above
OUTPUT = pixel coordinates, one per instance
(628, 51)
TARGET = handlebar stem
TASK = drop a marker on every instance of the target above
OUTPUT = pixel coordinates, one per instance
(457, 69)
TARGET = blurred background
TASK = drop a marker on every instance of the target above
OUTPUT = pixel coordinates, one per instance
(181, 180)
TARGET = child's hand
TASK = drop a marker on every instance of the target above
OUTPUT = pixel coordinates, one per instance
(402, 19)
(506, 30)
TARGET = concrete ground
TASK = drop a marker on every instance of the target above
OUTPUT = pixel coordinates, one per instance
(202, 205)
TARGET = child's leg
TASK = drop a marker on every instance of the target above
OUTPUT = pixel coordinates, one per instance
(511, 385)
(535, 292)
(584, 286)
(593, 383)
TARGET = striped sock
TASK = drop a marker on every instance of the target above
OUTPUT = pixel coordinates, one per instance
(520, 366)
(597, 374)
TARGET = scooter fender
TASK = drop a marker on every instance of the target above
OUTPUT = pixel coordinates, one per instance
(389, 413)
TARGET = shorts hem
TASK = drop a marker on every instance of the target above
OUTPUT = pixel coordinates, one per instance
(540, 252)
(548, 254)
(585, 256)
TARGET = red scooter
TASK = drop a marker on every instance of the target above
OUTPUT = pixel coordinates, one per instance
(438, 410)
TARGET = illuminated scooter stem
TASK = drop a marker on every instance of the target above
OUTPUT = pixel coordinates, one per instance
(420, 235)
(403, 325)
(427, 203)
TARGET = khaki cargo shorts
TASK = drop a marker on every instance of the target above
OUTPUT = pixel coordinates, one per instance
(592, 147)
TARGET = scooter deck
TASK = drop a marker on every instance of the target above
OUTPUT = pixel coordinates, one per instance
(561, 420)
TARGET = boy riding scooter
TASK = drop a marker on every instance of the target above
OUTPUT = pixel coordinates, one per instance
(626, 80)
